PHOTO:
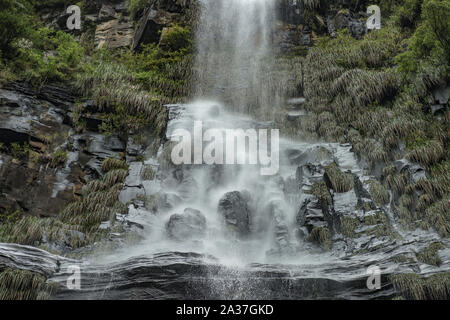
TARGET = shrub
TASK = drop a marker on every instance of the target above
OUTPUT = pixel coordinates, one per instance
(14, 24)
(58, 158)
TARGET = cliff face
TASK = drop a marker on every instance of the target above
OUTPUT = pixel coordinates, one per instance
(73, 150)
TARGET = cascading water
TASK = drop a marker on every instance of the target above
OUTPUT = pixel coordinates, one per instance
(219, 231)
(234, 42)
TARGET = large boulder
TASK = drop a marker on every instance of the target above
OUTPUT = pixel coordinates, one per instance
(235, 208)
(191, 224)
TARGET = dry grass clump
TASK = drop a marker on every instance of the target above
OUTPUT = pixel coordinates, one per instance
(379, 193)
(340, 181)
(348, 226)
(438, 216)
(148, 173)
(427, 154)
(322, 236)
(112, 83)
(18, 284)
(321, 192)
(430, 255)
(415, 287)
(115, 177)
(113, 164)
(397, 182)
(34, 230)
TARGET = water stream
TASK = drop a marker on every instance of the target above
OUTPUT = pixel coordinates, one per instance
(189, 247)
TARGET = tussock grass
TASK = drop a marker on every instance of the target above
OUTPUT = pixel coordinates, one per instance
(311, 4)
(321, 192)
(111, 83)
(115, 177)
(348, 226)
(438, 216)
(379, 193)
(18, 284)
(33, 230)
(415, 287)
(321, 236)
(397, 182)
(113, 164)
(148, 173)
(427, 154)
(340, 181)
(430, 255)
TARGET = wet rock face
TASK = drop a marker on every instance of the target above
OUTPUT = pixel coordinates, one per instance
(154, 20)
(33, 125)
(114, 34)
(191, 224)
(235, 208)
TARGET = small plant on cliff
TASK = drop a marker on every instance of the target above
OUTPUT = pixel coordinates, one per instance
(18, 284)
(58, 158)
(429, 255)
(322, 236)
(340, 181)
(413, 286)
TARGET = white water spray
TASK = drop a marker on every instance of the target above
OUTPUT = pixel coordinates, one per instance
(235, 41)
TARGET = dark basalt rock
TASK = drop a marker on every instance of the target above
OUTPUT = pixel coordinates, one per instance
(189, 225)
(234, 207)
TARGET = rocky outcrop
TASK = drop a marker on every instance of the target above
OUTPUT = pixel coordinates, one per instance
(155, 19)
(114, 34)
(235, 209)
(189, 225)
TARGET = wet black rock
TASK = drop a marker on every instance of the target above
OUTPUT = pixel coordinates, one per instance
(235, 208)
(191, 224)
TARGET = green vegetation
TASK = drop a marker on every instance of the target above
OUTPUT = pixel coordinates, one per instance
(321, 192)
(321, 236)
(148, 173)
(348, 226)
(430, 255)
(415, 287)
(58, 158)
(113, 164)
(379, 193)
(340, 181)
(24, 285)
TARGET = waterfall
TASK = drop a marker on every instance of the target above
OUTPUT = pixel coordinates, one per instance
(235, 46)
